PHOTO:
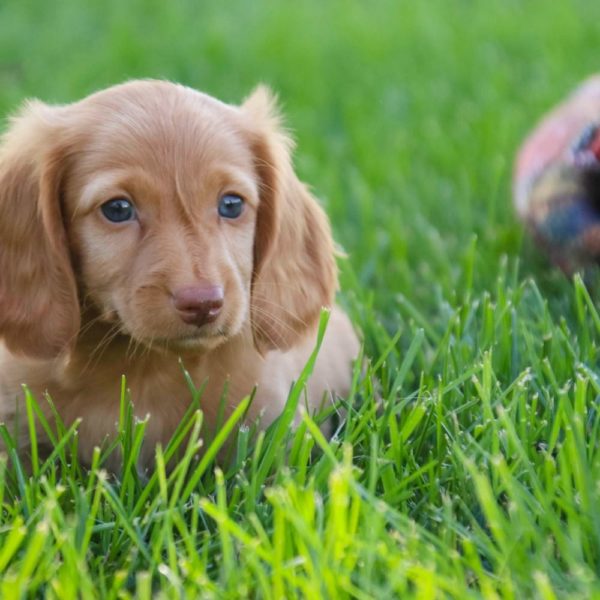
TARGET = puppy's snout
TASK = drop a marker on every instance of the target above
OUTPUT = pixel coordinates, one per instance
(198, 305)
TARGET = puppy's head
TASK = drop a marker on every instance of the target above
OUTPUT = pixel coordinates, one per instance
(158, 209)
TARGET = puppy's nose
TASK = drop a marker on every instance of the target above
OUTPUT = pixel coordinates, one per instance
(198, 305)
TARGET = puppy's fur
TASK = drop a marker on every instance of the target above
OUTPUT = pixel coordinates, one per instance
(84, 300)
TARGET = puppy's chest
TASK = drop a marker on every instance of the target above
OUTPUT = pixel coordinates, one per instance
(155, 390)
(159, 389)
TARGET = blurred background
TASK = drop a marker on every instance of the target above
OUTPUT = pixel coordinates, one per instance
(407, 114)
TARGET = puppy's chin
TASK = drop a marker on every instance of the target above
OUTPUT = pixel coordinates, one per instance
(198, 343)
(187, 344)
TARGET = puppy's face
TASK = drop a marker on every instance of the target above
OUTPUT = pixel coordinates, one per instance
(174, 217)
(161, 200)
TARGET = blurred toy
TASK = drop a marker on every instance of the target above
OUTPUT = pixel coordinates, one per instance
(557, 180)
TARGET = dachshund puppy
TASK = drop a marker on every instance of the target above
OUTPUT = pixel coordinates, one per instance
(148, 223)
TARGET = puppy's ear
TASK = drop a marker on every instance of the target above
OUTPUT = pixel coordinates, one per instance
(39, 308)
(294, 260)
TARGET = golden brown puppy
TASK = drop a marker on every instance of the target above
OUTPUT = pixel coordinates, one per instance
(149, 222)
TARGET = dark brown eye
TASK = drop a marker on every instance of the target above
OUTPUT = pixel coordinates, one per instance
(118, 210)
(230, 206)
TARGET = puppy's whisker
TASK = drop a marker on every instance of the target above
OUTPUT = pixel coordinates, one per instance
(108, 336)
(269, 316)
(101, 347)
(87, 326)
(132, 347)
(266, 334)
(148, 348)
(280, 308)
(280, 284)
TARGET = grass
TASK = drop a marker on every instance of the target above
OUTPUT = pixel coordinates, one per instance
(479, 476)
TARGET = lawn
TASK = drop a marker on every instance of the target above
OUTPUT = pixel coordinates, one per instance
(479, 475)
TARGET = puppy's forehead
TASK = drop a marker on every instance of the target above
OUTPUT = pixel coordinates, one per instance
(160, 125)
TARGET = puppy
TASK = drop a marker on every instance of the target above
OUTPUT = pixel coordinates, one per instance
(148, 223)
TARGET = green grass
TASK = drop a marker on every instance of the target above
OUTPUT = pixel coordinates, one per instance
(479, 476)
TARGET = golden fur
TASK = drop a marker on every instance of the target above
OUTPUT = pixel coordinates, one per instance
(84, 300)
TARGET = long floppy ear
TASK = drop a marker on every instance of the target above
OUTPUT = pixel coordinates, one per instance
(295, 274)
(39, 308)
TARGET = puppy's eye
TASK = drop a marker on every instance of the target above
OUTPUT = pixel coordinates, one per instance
(118, 210)
(230, 206)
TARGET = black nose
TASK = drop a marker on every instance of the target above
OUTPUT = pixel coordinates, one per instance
(199, 304)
